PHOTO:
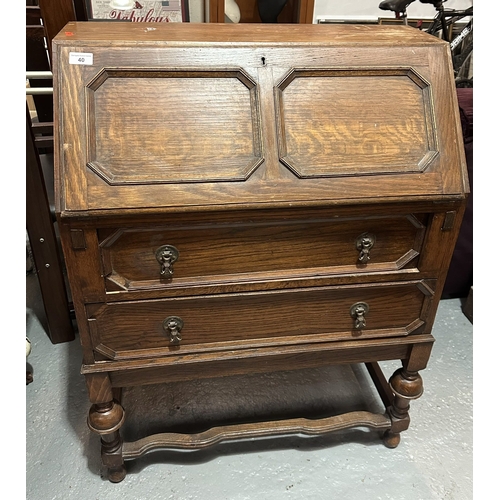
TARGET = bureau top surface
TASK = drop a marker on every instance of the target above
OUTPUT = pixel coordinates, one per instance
(107, 33)
(153, 116)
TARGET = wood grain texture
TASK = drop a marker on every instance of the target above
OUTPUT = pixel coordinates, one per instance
(44, 246)
(230, 250)
(135, 330)
(261, 360)
(258, 157)
(84, 280)
(216, 111)
(247, 34)
(345, 122)
(308, 427)
(99, 388)
(340, 126)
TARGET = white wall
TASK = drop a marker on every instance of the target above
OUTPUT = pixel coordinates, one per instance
(368, 9)
(197, 11)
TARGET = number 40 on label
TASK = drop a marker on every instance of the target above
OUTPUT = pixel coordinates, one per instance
(81, 58)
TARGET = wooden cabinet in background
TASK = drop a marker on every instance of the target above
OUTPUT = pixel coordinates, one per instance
(294, 11)
(238, 199)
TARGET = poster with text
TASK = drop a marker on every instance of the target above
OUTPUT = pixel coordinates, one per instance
(159, 11)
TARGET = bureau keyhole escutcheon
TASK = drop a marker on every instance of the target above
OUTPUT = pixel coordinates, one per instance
(166, 255)
(364, 243)
(358, 313)
(173, 326)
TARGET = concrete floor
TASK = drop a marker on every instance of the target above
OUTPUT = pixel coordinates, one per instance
(433, 461)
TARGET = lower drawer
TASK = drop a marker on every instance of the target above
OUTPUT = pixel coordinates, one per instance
(153, 328)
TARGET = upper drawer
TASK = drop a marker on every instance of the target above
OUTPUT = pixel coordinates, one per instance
(181, 256)
(195, 117)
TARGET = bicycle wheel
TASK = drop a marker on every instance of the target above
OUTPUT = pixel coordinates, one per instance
(462, 61)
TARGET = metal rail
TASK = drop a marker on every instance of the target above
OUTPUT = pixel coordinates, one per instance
(39, 75)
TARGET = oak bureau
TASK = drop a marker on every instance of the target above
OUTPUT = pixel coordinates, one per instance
(240, 199)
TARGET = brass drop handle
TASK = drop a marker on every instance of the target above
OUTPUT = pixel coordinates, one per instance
(173, 326)
(364, 244)
(358, 313)
(166, 255)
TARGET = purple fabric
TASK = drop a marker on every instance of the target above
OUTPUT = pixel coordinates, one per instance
(459, 279)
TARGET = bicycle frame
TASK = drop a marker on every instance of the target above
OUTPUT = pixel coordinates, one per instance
(444, 19)
(440, 26)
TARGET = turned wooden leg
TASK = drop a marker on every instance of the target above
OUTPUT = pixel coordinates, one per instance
(406, 385)
(106, 419)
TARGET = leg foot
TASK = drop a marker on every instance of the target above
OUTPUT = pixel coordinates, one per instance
(106, 419)
(406, 386)
(391, 439)
(116, 474)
